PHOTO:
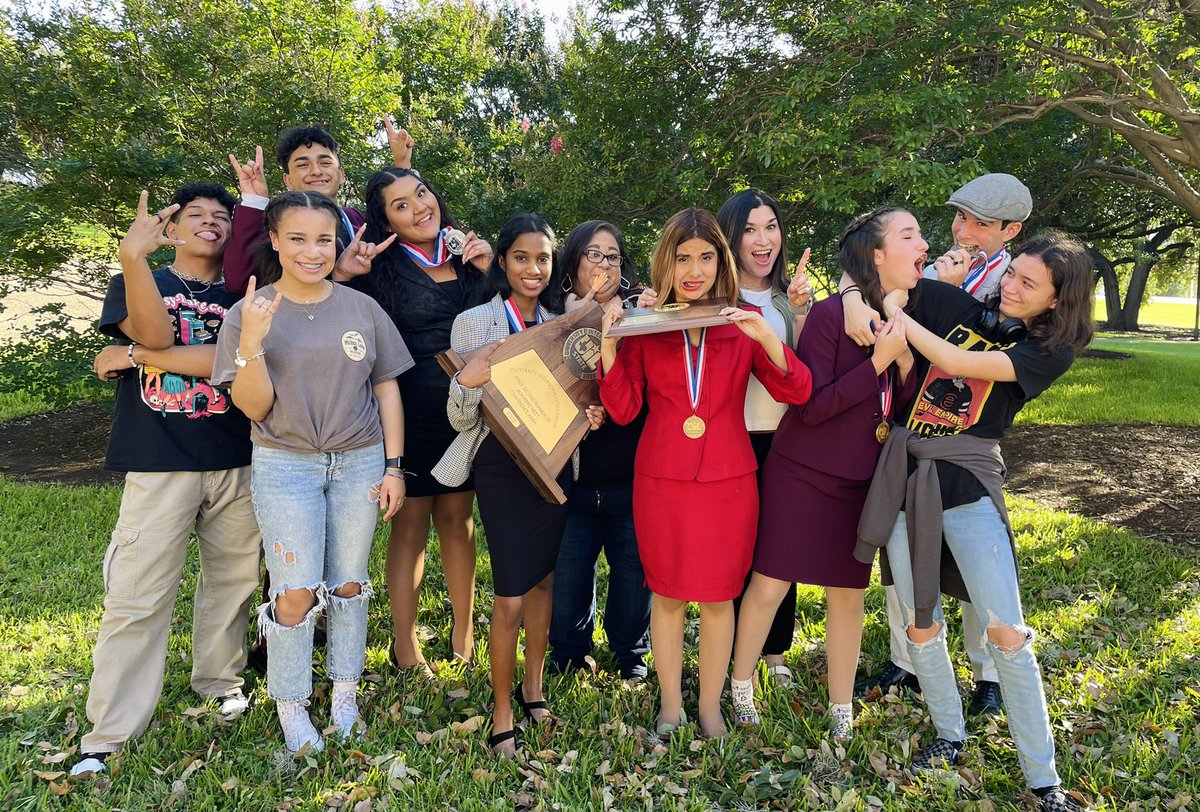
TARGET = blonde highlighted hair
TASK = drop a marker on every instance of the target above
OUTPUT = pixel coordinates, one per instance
(692, 224)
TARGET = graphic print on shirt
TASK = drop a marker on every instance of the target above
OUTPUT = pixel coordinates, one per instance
(196, 322)
(948, 403)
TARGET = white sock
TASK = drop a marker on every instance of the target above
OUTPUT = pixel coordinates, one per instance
(742, 691)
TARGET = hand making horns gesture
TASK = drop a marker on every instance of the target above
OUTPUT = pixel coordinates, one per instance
(250, 177)
(356, 259)
(147, 232)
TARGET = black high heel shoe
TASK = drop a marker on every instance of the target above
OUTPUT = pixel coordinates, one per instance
(529, 707)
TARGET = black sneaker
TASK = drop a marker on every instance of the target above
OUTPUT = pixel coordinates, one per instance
(256, 658)
(1056, 799)
(892, 676)
(987, 700)
(941, 755)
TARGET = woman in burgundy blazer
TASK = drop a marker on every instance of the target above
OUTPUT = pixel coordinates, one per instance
(695, 499)
(823, 457)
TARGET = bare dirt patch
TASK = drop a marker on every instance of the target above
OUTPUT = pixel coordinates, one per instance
(1144, 478)
(66, 446)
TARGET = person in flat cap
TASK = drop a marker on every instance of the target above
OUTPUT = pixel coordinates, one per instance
(989, 212)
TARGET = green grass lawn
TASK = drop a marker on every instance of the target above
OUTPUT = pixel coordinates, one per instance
(1160, 384)
(1118, 619)
(1163, 314)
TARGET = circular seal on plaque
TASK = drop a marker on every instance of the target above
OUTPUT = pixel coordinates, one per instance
(456, 241)
(581, 352)
(354, 345)
(673, 306)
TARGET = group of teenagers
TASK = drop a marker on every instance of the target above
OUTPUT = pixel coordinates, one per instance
(279, 392)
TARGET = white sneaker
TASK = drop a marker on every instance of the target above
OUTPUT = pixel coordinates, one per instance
(233, 704)
(90, 764)
(343, 712)
(297, 725)
(842, 722)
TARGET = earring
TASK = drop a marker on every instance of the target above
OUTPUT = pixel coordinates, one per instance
(565, 284)
(624, 284)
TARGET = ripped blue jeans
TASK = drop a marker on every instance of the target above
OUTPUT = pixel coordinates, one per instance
(317, 518)
(979, 542)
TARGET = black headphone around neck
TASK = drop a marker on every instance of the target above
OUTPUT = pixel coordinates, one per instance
(1000, 330)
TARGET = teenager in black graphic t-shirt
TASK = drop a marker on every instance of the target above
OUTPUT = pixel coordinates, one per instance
(185, 451)
(936, 500)
(168, 420)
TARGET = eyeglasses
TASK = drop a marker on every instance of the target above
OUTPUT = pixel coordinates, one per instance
(596, 257)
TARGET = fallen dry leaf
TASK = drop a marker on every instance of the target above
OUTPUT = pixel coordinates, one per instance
(467, 725)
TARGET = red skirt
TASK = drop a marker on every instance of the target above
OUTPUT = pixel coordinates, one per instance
(696, 539)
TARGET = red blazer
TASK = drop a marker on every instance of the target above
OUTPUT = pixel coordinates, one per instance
(247, 230)
(651, 368)
(834, 431)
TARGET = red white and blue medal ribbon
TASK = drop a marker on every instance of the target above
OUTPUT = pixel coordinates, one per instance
(515, 321)
(349, 230)
(694, 426)
(979, 271)
(440, 253)
(885, 408)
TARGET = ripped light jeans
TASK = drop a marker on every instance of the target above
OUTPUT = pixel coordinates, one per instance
(979, 542)
(317, 518)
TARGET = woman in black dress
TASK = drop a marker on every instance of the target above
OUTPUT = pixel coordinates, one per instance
(523, 530)
(423, 287)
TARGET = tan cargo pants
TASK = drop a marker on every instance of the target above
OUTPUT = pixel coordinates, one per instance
(142, 572)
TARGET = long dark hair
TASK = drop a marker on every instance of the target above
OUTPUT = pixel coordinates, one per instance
(576, 245)
(687, 225)
(1069, 323)
(551, 298)
(734, 214)
(380, 283)
(264, 258)
(856, 252)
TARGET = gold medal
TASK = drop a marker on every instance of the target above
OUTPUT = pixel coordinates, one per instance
(881, 432)
(693, 427)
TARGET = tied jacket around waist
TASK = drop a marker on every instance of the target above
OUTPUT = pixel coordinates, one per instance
(920, 497)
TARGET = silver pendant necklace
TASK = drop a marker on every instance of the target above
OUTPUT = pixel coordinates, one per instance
(185, 278)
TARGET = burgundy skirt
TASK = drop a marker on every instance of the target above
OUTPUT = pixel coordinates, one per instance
(696, 539)
(808, 525)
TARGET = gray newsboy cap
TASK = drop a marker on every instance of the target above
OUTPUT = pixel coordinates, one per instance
(994, 197)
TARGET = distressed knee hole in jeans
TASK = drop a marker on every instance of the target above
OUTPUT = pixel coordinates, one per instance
(337, 602)
(939, 636)
(266, 613)
(288, 556)
(1000, 636)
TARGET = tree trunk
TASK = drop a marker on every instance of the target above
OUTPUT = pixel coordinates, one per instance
(1145, 256)
(1137, 287)
(1113, 316)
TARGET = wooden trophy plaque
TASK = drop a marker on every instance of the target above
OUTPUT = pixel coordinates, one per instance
(676, 316)
(543, 378)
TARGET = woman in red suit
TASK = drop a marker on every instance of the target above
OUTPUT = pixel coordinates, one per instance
(695, 500)
(823, 458)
